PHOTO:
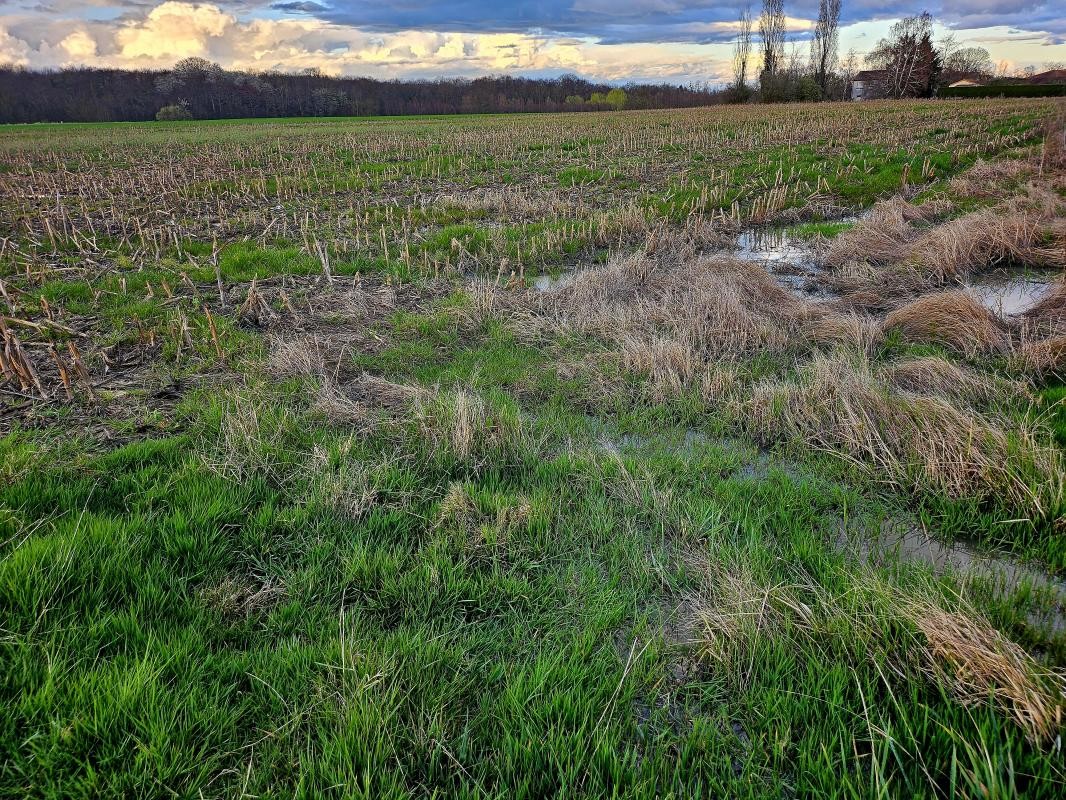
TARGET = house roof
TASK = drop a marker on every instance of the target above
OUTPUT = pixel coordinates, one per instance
(965, 82)
(1051, 76)
(869, 75)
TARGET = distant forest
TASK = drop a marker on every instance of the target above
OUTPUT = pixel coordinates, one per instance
(199, 89)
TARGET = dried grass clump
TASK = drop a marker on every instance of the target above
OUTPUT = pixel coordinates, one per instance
(1048, 316)
(670, 365)
(979, 664)
(680, 323)
(849, 329)
(714, 309)
(254, 440)
(915, 442)
(735, 611)
(882, 237)
(980, 240)
(366, 399)
(1043, 359)
(955, 320)
(234, 598)
(719, 383)
(463, 423)
(985, 179)
(302, 356)
(935, 376)
(478, 532)
(340, 483)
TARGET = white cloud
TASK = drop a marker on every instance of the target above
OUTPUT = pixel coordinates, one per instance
(174, 30)
(12, 50)
(80, 47)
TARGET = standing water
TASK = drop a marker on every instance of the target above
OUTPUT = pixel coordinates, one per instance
(1008, 291)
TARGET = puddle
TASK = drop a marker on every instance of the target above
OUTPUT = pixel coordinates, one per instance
(547, 283)
(772, 244)
(898, 542)
(786, 257)
(1008, 291)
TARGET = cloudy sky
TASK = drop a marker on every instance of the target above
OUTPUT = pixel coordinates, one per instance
(615, 40)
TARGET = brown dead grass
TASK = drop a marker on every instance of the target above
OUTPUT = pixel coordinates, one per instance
(935, 376)
(916, 442)
(1048, 316)
(955, 320)
(901, 250)
(1044, 359)
(735, 608)
(461, 422)
(883, 236)
(979, 664)
(735, 611)
(982, 240)
(680, 320)
(234, 598)
(986, 179)
(300, 356)
(367, 399)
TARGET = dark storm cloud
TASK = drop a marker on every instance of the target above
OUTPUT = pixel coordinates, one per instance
(302, 6)
(620, 21)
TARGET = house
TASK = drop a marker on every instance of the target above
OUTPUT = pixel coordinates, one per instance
(868, 84)
(1046, 78)
(964, 82)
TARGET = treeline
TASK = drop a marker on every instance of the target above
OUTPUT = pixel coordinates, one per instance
(905, 63)
(199, 89)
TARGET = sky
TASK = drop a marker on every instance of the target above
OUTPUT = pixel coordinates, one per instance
(674, 41)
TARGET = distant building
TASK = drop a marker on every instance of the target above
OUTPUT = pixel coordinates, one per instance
(868, 84)
(964, 82)
(1049, 77)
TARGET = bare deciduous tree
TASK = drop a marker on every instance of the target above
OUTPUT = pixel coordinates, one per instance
(848, 67)
(741, 53)
(968, 61)
(772, 34)
(824, 43)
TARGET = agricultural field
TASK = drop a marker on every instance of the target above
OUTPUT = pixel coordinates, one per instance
(698, 453)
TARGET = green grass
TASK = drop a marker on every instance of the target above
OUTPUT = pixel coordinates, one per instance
(430, 646)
